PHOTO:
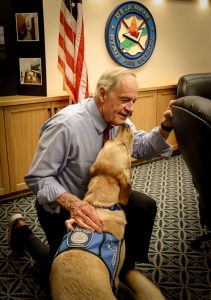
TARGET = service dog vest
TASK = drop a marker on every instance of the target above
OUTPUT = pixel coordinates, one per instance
(104, 245)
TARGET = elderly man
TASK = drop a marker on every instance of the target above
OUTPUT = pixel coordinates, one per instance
(59, 175)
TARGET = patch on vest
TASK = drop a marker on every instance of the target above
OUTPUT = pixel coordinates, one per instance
(104, 245)
(79, 238)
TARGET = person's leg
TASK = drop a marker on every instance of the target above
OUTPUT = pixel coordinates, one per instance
(140, 213)
(53, 225)
(22, 239)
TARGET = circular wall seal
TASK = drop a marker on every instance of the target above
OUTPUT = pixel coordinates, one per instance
(130, 34)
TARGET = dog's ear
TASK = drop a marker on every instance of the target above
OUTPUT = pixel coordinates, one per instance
(92, 170)
(103, 168)
(97, 169)
(125, 187)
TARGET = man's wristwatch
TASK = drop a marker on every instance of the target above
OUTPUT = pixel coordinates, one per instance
(166, 128)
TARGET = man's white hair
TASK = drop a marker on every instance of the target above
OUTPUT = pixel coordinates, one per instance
(110, 78)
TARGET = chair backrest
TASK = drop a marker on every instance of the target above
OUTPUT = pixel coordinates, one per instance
(192, 126)
(198, 84)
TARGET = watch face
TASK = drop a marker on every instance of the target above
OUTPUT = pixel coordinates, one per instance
(130, 34)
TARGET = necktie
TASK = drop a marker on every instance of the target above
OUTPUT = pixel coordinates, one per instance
(106, 134)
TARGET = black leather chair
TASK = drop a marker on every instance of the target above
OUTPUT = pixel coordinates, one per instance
(192, 126)
(195, 85)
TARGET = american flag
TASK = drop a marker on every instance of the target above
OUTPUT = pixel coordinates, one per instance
(71, 60)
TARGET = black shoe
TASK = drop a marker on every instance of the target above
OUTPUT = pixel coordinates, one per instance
(14, 236)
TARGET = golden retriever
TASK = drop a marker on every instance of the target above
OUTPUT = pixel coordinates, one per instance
(80, 275)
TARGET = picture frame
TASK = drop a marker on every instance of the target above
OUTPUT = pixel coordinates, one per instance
(27, 27)
(30, 71)
(2, 43)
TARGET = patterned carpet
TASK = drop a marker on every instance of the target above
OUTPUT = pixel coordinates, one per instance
(180, 272)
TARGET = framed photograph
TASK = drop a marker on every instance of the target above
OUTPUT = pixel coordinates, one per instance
(27, 27)
(30, 71)
(2, 43)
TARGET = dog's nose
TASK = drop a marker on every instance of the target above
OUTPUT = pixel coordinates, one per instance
(125, 125)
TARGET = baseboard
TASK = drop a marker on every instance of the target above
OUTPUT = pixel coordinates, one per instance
(136, 162)
(15, 194)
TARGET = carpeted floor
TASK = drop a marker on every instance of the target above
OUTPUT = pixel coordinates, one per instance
(180, 272)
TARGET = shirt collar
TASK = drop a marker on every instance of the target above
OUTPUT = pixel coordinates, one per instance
(99, 123)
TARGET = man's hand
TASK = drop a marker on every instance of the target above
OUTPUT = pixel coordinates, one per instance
(82, 213)
(167, 115)
(166, 124)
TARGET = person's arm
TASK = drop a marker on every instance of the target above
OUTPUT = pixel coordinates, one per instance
(52, 153)
(150, 144)
(82, 213)
(166, 127)
(50, 158)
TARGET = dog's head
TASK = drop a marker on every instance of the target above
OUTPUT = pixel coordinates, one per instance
(124, 137)
(114, 160)
(117, 152)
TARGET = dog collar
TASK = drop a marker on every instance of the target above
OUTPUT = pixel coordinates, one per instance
(114, 207)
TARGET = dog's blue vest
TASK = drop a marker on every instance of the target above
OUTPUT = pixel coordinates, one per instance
(104, 245)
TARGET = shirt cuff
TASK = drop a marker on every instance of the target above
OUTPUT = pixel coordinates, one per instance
(49, 194)
(161, 144)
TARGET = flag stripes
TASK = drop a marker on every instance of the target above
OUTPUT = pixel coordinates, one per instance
(71, 60)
